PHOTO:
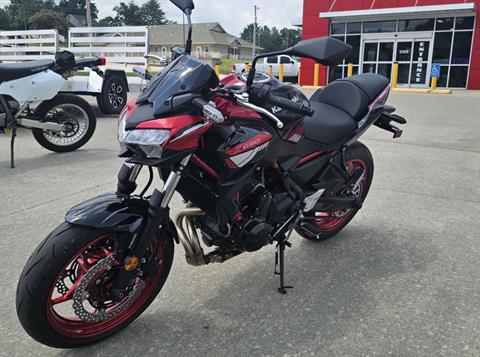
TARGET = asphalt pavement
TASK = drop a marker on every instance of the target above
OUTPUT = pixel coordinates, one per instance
(403, 279)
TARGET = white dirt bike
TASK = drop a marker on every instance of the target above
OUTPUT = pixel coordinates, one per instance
(60, 122)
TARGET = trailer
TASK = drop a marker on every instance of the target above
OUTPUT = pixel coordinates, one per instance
(109, 86)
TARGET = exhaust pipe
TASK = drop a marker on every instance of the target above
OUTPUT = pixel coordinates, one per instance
(188, 236)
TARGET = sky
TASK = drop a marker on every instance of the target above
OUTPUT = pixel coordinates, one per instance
(233, 15)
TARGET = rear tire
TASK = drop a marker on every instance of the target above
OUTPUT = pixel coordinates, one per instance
(39, 279)
(356, 153)
(85, 112)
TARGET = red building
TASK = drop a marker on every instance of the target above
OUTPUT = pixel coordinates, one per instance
(413, 33)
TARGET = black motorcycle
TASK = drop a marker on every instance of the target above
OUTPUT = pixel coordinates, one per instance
(253, 158)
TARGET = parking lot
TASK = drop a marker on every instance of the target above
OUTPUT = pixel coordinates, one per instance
(403, 279)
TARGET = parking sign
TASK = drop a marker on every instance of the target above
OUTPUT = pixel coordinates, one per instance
(435, 72)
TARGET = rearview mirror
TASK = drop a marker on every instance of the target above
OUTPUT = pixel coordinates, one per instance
(326, 50)
(184, 5)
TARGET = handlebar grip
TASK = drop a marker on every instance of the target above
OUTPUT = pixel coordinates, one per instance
(290, 105)
(199, 102)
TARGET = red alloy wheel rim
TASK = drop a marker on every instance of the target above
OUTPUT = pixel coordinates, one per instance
(74, 327)
(325, 223)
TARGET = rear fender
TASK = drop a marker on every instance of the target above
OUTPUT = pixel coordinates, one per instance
(110, 212)
(119, 73)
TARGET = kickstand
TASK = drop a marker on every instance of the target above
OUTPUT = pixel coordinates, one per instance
(280, 264)
(12, 147)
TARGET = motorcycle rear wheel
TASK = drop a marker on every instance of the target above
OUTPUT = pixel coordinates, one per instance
(328, 224)
(72, 111)
(46, 309)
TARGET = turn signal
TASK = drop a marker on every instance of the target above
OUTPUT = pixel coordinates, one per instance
(130, 263)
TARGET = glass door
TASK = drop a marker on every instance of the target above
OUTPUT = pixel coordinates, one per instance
(413, 56)
(419, 72)
(378, 57)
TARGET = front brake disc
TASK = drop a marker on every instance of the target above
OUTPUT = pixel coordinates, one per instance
(81, 295)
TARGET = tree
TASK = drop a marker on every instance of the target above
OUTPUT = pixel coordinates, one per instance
(109, 22)
(47, 19)
(4, 20)
(130, 14)
(290, 37)
(19, 11)
(152, 13)
(272, 39)
(77, 7)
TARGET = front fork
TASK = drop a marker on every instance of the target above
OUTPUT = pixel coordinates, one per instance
(158, 217)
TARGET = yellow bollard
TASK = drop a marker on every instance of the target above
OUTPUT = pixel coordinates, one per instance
(217, 70)
(299, 76)
(316, 74)
(395, 75)
(350, 70)
(247, 67)
(270, 70)
(280, 72)
(434, 83)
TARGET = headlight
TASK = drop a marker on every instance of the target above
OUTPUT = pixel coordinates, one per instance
(149, 140)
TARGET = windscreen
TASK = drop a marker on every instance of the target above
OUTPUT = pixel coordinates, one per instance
(184, 75)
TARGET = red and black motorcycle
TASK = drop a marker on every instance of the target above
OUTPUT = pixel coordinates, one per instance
(254, 159)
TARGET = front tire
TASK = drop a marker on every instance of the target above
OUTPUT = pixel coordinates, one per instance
(54, 266)
(328, 224)
(77, 116)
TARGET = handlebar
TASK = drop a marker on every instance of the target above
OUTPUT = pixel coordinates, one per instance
(289, 105)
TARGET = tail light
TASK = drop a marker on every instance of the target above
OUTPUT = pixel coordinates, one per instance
(234, 68)
(102, 61)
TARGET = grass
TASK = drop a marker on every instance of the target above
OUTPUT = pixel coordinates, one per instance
(226, 65)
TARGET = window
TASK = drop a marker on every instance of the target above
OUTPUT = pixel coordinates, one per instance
(444, 23)
(370, 52)
(353, 57)
(379, 26)
(386, 51)
(464, 23)
(354, 27)
(205, 48)
(337, 28)
(272, 60)
(285, 60)
(442, 80)
(335, 73)
(461, 47)
(403, 73)
(341, 38)
(458, 76)
(404, 51)
(441, 47)
(415, 25)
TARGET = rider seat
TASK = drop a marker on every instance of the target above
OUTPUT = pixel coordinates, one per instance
(9, 72)
(340, 105)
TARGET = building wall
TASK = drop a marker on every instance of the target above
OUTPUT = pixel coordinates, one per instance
(314, 26)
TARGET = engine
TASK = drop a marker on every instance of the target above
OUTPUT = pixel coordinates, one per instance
(14, 107)
(262, 210)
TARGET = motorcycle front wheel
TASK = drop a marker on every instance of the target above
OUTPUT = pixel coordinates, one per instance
(75, 114)
(64, 295)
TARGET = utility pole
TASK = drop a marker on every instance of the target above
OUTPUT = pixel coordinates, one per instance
(255, 8)
(89, 13)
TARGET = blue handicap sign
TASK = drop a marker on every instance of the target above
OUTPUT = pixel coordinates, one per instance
(435, 72)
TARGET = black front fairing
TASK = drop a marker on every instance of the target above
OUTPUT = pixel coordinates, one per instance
(183, 76)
